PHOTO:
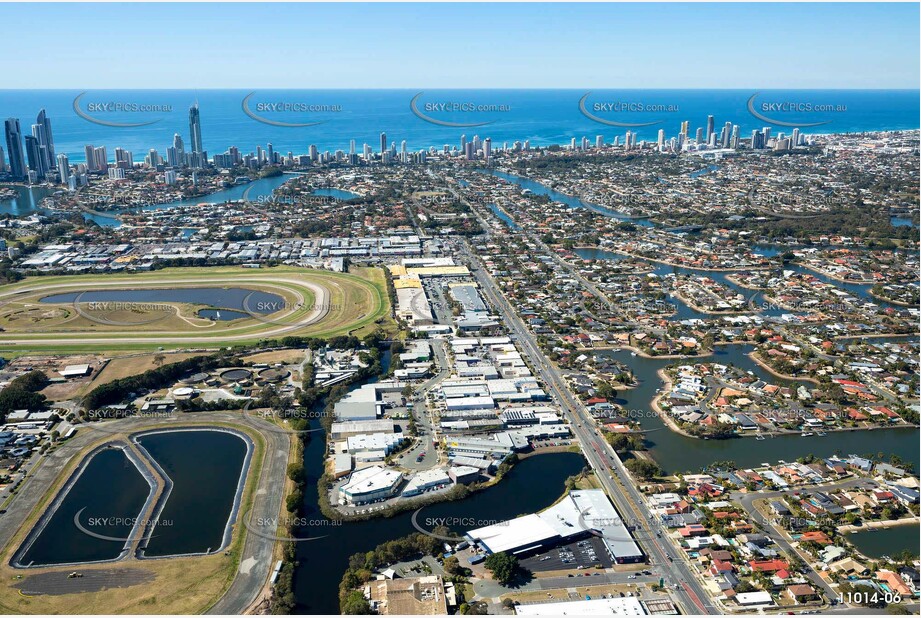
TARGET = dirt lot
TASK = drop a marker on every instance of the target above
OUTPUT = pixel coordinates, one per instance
(51, 365)
(126, 366)
(277, 356)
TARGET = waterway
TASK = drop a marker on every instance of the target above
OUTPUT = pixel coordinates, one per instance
(337, 194)
(503, 216)
(879, 542)
(26, 202)
(108, 495)
(205, 467)
(29, 198)
(323, 561)
(573, 202)
(677, 453)
(901, 221)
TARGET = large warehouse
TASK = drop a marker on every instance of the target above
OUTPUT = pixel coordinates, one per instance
(580, 514)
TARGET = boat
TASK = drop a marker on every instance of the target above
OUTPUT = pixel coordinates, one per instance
(821, 434)
(760, 437)
(806, 434)
(632, 353)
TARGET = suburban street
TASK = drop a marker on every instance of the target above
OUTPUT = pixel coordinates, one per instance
(747, 500)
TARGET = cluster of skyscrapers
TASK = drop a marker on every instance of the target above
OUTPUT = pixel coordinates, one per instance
(727, 138)
(32, 157)
(176, 155)
(37, 149)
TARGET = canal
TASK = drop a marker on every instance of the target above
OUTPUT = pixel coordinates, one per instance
(323, 561)
(28, 199)
(573, 202)
(879, 542)
(677, 453)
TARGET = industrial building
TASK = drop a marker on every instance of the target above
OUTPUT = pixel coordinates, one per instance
(370, 484)
(357, 410)
(344, 429)
(426, 480)
(412, 303)
(385, 442)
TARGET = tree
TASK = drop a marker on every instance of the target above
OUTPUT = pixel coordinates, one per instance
(296, 473)
(452, 566)
(503, 567)
(354, 603)
(643, 468)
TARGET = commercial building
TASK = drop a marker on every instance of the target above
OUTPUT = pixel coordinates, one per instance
(412, 303)
(428, 595)
(76, 371)
(463, 474)
(385, 442)
(356, 410)
(580, 514)
(498, 446)
(17, 162)
(617, 606)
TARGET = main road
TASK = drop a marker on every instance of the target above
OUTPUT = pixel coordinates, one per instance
(689, 592)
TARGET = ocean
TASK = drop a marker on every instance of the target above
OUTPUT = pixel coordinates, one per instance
(441, 117)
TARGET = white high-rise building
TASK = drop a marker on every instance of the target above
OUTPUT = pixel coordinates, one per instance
(63, 169)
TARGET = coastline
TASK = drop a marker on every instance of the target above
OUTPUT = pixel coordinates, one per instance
(880, 525)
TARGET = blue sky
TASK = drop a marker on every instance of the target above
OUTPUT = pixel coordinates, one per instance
(716, 45)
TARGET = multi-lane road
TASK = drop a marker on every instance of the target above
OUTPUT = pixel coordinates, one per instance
(607, 465)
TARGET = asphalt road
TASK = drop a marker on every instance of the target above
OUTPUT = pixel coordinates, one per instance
(690, 594)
